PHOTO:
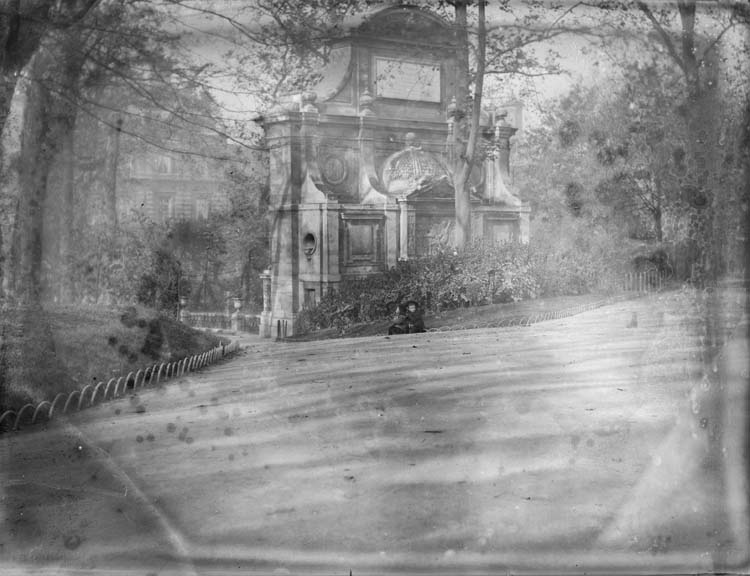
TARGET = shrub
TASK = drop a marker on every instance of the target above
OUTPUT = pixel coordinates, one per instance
(480, 274)
(477, 275)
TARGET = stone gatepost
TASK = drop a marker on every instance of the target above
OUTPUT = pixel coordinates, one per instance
(265, 316)
(184, 315)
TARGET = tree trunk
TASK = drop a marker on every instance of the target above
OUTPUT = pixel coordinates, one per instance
(64, 114)
(46, 122)
(658, 229)
(702, 123)
(7, 90)
(24, 273)
(113, 160)
(467, 127)
(65, 238)
(27, 350)
(11, 130)
(703, 126)
(460, 176)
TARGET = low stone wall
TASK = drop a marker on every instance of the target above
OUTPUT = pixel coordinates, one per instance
(89, 394)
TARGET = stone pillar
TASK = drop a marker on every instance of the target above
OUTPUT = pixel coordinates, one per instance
(266, 282)
(523, 224)
(184, 314)
(411, 229)
(407, 225)
(286, 136)
(403, 228)
(265, 316)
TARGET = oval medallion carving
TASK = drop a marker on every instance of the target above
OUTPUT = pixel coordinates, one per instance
(334, 170)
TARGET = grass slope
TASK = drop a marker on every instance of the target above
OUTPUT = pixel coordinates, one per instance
(60, 349)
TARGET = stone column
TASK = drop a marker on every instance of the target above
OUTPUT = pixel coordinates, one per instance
(266, 283)
(411, 229)
(403, 228)
(265, 316)
(523, 225)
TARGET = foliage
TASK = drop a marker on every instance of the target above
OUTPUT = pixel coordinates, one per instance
(159, 285)
(477, 275)
(107, 265)
(572, 257)
(603, 175)
(226, 252)
(244, 229)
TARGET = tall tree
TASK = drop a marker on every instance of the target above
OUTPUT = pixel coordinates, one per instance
(642, 140)
(23, 25)
(691, 37)
(45, 122)
(466, 128)
(23, 28)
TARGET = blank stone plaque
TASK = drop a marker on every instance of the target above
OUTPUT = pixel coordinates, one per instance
(407, 80)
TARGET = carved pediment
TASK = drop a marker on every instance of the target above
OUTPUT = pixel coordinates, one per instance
(407, 22)
(432, 188)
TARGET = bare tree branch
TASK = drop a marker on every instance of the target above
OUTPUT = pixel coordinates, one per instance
(666, 40)
(508, 72)
(712, 45)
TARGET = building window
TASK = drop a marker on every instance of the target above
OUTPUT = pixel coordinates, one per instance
(161, 210)
(201, 208)
(162, 164)
(153, 165)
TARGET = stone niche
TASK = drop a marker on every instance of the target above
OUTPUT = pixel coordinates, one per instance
(360, 172)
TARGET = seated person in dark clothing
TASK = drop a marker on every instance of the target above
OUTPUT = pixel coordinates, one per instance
(400, 324)
(414, 319)
(408, 320)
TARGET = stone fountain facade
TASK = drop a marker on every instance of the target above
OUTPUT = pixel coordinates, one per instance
(360, 172)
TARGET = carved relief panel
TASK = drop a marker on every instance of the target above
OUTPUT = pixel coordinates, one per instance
(362, 240)
(434, 233)
(338, 169)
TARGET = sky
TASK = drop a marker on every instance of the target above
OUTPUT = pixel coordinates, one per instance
(205, 40)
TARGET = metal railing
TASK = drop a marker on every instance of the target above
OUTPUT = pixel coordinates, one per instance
(90, 393)
(645, 281)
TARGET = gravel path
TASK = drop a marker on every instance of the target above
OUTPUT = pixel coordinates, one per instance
(568, 445)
